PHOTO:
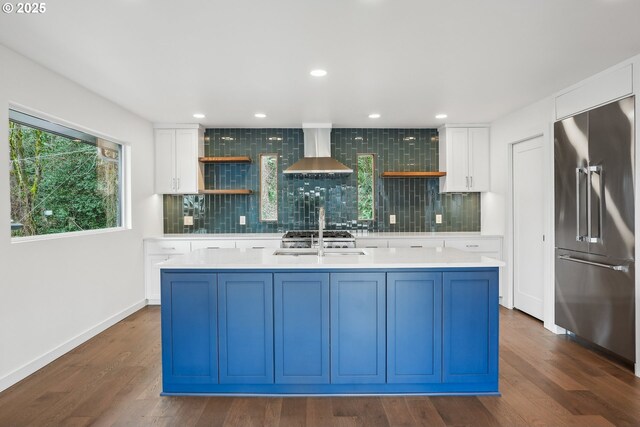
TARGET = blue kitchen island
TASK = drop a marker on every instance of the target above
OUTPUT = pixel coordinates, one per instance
(386, 321)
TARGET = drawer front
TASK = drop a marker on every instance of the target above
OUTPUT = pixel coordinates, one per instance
(475, 245)
(212, 244)
(416, 243)
(159, 247)
(372, 243)
(258, 244)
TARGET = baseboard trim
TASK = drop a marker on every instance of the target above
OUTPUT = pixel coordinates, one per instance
(153, 301)
(40, 362)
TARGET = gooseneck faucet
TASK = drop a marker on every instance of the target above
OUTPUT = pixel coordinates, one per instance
(320, 231)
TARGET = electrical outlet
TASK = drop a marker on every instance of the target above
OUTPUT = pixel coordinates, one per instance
(188, 220)
(438, 218)
(243, 220)
(392, 219)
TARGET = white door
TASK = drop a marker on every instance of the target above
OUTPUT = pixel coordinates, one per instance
(165, 142)
(528, 227)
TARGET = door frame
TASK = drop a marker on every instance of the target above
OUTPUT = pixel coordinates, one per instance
(548, 294)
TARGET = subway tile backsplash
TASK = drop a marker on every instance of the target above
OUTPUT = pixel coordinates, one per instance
(415, 202)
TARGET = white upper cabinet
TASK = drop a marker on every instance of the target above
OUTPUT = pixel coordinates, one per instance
(464, 156)
(177, 167)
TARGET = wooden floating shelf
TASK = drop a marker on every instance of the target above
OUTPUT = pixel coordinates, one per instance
(228, 159)
(237, 191)
(413, 174)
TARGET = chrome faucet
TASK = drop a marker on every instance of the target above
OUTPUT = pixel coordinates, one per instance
(320, 231)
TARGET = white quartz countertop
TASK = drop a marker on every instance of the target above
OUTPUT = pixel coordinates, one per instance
(386, 258)
(369, 235)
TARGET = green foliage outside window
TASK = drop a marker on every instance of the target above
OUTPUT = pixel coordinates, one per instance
(268, 187)
(61, 184)
(365, 186)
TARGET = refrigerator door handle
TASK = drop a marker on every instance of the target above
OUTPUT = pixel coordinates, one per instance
(590, 171)
(623, 268)
(579, 237)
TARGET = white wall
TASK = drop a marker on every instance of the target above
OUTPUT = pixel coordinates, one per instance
(529, 122)
(56, 293)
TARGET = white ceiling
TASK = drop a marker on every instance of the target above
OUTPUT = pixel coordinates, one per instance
(476, 60)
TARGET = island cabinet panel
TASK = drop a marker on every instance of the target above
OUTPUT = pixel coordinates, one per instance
(414, 327)
(358, 328)
(301, 323)
(189, 329)
(470, 327)
(245, 317)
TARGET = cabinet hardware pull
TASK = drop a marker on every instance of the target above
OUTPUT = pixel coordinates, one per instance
(257, 247)
(466, 180)
(471, 182)
(416, 246)
(213, 247)
(473, 246)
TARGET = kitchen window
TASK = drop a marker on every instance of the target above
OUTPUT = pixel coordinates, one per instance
(269, 187)
(61, 179)
(366, 166)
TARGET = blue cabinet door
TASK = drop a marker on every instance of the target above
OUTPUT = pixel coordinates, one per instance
(358, 328)
(245, 318)
(470, 327)
(189, 329)
(301, 317)
(414, 327)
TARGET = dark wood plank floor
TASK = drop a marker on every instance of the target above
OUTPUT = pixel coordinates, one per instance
(114, 380)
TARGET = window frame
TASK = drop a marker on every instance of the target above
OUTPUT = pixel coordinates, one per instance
(124, 176)
(373, 186)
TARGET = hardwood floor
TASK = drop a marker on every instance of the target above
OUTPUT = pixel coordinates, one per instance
(114, 380)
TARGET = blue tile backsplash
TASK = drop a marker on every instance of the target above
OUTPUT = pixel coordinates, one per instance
(415, 202)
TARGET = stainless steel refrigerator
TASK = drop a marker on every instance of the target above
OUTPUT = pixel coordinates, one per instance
(594, 222)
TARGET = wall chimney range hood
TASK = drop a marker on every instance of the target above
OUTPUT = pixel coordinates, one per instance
(317, 152)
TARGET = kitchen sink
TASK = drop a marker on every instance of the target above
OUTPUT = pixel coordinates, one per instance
(327, 252)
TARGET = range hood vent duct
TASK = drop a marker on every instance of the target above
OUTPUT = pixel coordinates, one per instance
(317, 152)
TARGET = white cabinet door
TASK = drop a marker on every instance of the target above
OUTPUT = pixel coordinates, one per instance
(457, 140)
(152, 282)
(416, 243)
(165, 174)
(372, 243)
(186, 161)
(258, 244)
(212, 244)
(479, 159)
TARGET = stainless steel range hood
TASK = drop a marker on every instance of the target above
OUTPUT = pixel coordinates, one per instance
(317, 152)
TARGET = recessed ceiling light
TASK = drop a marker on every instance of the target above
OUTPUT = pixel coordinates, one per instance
(260, 115)
(318, 73)
(374, 116)
(441, 116)
(198, 116)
